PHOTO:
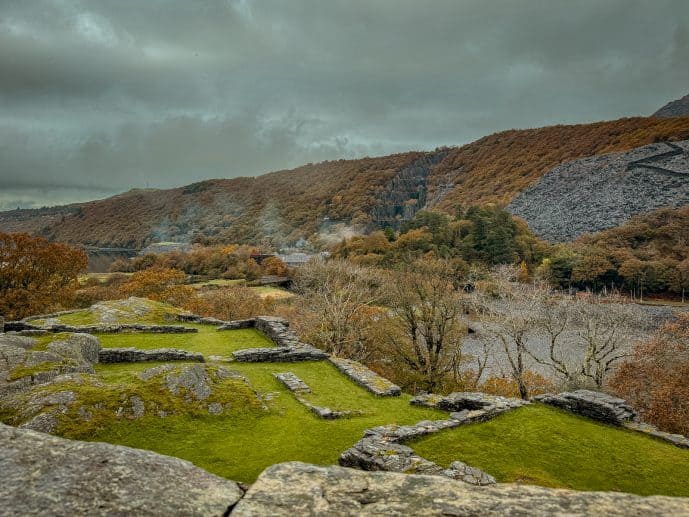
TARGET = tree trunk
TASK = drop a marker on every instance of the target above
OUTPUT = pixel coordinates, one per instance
(523, 391)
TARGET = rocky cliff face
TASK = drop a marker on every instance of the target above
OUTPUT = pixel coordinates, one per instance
(602, 192)
(676, 108)
(406, 193)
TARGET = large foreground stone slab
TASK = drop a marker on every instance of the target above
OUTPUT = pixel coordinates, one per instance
(302, 489)
(46, 475)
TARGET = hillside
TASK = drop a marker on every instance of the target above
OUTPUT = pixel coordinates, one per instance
(662, 236)
(676, 108)
(601, 192)
(283, 206)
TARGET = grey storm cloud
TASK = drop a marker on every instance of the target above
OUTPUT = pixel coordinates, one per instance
(97, 97)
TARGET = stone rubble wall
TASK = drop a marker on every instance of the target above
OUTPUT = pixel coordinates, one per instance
(609, 410)
(238, 324)
(194, 318)
(299, 388)
(279, 355)
(675, 439)
(292, 383)
(136, 355)
(591, 404)
(289, 349)
(382, 448)
(366, 378)
(467, 400)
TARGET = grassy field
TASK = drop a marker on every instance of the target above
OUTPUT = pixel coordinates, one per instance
(545, 446)
(207, 340)
(239, 446)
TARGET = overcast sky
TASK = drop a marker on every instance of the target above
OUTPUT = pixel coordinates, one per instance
(97, 97)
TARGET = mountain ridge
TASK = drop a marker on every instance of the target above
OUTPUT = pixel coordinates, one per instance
(676, 108)
(281, 207)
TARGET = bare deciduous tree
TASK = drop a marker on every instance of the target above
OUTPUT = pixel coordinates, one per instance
(581, 340)
(604, 333)
(427, 330)
(508, 314)
(336, 304)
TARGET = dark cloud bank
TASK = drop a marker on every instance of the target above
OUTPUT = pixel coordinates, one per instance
(97, 97)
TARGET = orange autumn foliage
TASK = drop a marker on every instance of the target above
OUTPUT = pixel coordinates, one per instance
(654, 378)
(36, 275)
(159, 284)
(285, 205)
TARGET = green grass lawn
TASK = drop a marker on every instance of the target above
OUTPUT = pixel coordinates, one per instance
(545, 446)
(207, 340)
(85, 317)
(239, 446)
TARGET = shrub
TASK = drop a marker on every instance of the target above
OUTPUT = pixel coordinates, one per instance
(36, 275)
(654, 378)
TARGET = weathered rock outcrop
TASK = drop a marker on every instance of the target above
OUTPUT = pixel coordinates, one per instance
(138, 355)
(592, 404)
(22, 367)
(291, 489)
(366, 378)
(16, 340)
(405, 194)
(46, 475)
(602, 192)
(79, 403)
